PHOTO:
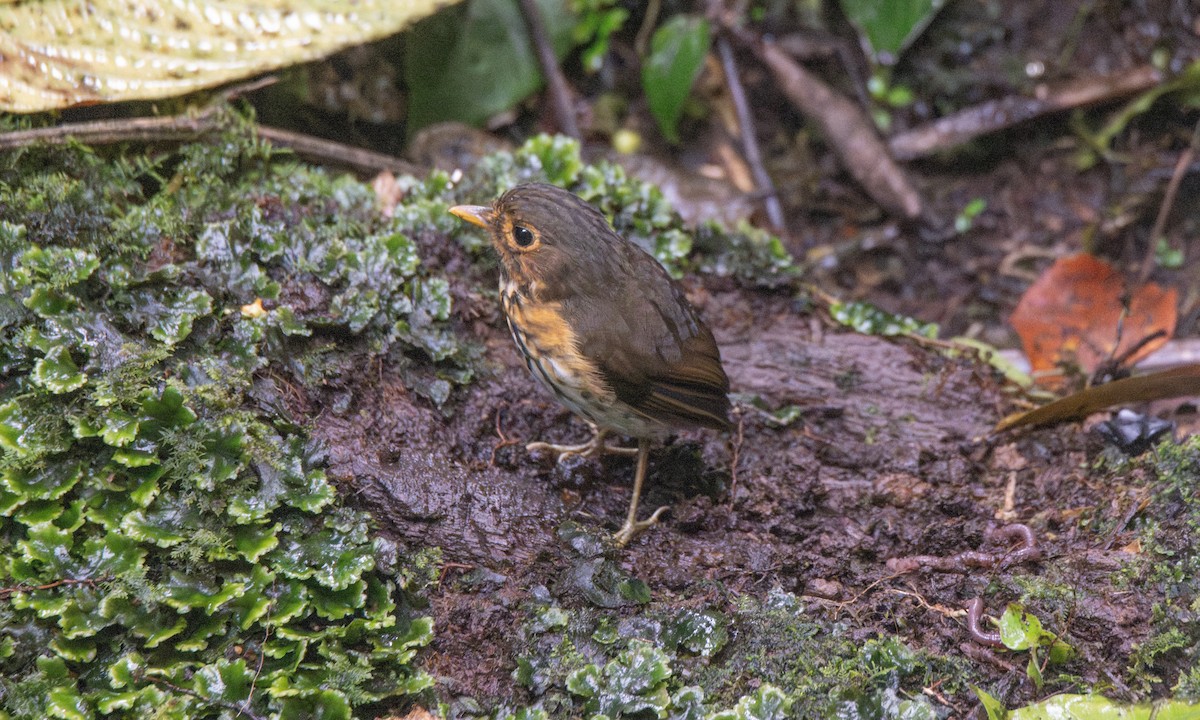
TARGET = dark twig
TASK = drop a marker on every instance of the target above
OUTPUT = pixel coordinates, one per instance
(262, 656)
(328, 152)
(649, 20)
(505, 441)
(969, 123)
(749, 138)
(848, 130)
(1168, 202)
(185, 126)
(105, 132)
(978, 634)
(193, 125)
(89, 582)
(555, 82)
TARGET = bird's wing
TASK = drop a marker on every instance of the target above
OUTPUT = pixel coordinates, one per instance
(657, 355)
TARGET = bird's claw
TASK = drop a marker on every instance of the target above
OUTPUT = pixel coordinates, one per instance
(632, 527)
(593, 448)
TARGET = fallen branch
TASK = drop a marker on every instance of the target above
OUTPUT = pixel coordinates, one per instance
(844, 125)
(556, 84)
(969, 123)
(750, 150)
(193, 125)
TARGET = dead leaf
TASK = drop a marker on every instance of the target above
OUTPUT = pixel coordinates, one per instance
(1072, 315)
(62, 53)
(1180, 382)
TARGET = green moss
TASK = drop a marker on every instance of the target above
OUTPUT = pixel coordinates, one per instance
(170, 546)
(822, 668)
(169, 539)
(1170, 655)
(765, 660)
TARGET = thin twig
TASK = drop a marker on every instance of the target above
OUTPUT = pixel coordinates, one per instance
(262, 656)
(736, 452)
(193, 125)
(50, 586)
(217, 702)
(749, 139)
(951, 131)
(505, 441)
(1168, 202)
(329, 152)
(848, 130)
(649, 20)
(185, 126)
(107, 132)
(555, 82)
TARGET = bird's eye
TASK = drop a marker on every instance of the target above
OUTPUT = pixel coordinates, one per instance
(522, 236)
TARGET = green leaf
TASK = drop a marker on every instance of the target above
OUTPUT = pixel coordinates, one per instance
(890, 27)
(120, 428)
(48, 302)
(634, 590)
(766, 703)
(168, 409)
(224, 681)
(57, 266)
(472, 61)
(28, 429)
(1097, 707)
(48, 482)
(57, 372)
(251, 541)
(320, 705)
(66, 703)
(868, 319)
(585, 682)
(134, 458)
(1034, 671)
(1020, 630)
(186, 592)
(676, 55)
(994, 708)
(179, 311)
(702, 634)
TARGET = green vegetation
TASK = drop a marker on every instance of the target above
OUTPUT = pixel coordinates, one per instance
(1172, 561)
(170, 543)
(768, 659)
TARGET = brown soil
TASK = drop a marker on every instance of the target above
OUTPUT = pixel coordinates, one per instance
(889, 459)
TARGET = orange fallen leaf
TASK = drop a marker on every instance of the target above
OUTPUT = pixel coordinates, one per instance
(1073, 315)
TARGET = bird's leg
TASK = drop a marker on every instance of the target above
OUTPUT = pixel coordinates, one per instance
(632, 526)
(590, 449)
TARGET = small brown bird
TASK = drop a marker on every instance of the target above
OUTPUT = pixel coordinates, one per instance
(602, 326)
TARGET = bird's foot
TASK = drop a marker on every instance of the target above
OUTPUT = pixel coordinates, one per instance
(632, 527)
(591, 449)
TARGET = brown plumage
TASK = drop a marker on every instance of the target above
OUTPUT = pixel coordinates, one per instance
(601, 325)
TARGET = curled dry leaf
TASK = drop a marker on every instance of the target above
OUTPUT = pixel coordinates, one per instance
(1074, 315)
(61, 53)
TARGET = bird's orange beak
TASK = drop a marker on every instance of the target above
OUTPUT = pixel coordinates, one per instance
(480, 215)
